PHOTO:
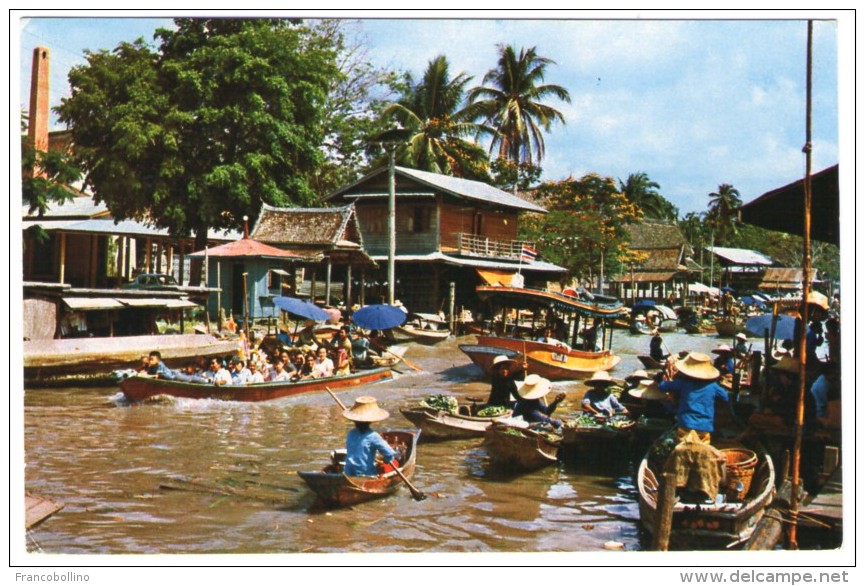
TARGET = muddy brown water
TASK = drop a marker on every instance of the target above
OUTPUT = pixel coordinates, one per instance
(138, 479)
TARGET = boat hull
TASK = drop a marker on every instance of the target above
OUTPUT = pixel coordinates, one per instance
(420, 335)
(518, 449)
(483, 355)
(712, 526)
(335, 489)
(140, 388)
(436, 424)
(728, 328)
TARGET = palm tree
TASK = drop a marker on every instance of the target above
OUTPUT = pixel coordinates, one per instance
(722, 210)
(432, 128)
(643, 192)
(512, 104)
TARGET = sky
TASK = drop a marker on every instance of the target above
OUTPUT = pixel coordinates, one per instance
(693, 102)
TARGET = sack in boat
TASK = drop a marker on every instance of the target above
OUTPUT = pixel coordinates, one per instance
(740, 470)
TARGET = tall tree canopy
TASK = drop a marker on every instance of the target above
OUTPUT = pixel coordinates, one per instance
(722, 211)
(512, 104)
(432, 127)
(585, 223)
(225, 115)
(643, 192)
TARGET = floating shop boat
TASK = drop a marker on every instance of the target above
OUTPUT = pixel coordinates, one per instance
(335, 489)
(438, 424)
(139, 388)
(520, 448)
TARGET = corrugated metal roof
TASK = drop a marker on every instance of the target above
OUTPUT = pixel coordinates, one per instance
(77, 207)
(741, 256)
(645, 277)
(245, 248)
(464, 188)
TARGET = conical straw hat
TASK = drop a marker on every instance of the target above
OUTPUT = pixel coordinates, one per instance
(534, 387)
(648, 391)
(365, 409)
(602, 379)
(697, 365)
(639, 374)
(722, 348)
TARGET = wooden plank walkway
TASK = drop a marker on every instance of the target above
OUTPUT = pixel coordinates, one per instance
(37, 509)
(827, 507)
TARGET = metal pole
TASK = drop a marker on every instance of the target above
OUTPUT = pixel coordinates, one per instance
(391, 225)
(806, 289)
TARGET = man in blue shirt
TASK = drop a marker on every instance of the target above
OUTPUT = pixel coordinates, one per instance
(362, 443)
(598, 400)
(529, 405)
(694, 391)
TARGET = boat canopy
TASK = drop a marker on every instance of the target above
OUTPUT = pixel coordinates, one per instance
(586, 304)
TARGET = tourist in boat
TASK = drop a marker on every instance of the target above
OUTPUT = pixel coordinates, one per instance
(547, 338)
(155, 367)
(598, 400)
(362, 443)
(240, 375)
(656, 347)
(190, 373)
(529, 405)
(217, 374)
(323, 364)
(255, 374)
(277, 371)
(307, 370)
(503, 390)
(724, 361)
(306, 337)
(342, 364)
(692, 383)
(342, 341)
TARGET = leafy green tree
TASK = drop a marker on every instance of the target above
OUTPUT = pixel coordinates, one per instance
(512, 176)
(226, 114)
(643, 192)
(586, 222)
(723, 205)
(512, 103)
(432, 128)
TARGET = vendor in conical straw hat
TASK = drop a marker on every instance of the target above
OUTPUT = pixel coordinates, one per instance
(598, 400)
(530, 406)
(692, 383)
(362, 443)
(724, 361)
(503, 392)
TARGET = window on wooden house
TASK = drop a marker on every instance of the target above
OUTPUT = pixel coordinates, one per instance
(420, 220)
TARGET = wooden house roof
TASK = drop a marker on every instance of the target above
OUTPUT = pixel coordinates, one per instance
(655, 234)
(314, 227)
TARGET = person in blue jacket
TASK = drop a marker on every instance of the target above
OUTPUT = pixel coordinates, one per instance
(157, 368)
(529, 405)
(362, 443)
(692, 383)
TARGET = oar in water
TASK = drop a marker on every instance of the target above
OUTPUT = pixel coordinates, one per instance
(418, 495)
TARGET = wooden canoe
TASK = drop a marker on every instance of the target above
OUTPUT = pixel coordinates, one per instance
(335, 489)
(483, 355)
(552, 361)
(729, 327)
(94, 360)
(436, 424)
(718, 525)
(412, 333)
(574, 433)
(139, 388)
(519, 448)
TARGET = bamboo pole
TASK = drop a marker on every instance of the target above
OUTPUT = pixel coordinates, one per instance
(806, 290)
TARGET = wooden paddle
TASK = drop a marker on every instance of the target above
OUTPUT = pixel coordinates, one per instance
(418, 495)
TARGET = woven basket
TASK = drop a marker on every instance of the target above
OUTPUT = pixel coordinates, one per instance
(740, 470)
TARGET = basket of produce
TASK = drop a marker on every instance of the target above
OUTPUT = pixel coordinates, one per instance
(494, 411)
(441, 403)
(741, 464)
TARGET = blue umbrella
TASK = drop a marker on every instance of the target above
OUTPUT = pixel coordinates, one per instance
(301, 308)
(748, 300)
(644, 303)
(785, 327)
(728, 288)
(379, 317)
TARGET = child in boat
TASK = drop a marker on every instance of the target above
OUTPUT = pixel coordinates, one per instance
(362, 443)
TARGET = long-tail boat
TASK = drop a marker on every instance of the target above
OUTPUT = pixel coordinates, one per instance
(335, 489)
(555, 361)
(723, 523)
(140, 387)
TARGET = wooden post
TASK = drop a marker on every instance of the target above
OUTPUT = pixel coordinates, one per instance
(391, 226)
(218, 297)
(664, 511)
(148, 255)
(327, 274)
(62, 275)
(451, 299)
(246, 306)
(348, 286)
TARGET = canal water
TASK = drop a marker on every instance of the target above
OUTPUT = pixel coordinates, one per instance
(140, 479)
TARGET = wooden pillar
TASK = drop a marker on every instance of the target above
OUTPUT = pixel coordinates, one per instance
(664, 511)
(121, 260)
(159, 250)
(312, 285)
(362, 297)
(62, 273)
(328, 267)
(348, 285)
(94, 261)
(148, 253)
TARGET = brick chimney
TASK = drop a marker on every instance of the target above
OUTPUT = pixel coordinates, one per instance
(39, 100)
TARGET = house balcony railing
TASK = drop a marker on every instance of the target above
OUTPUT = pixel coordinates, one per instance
(474, 245)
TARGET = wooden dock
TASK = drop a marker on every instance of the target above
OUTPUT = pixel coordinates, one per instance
(827, 507)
